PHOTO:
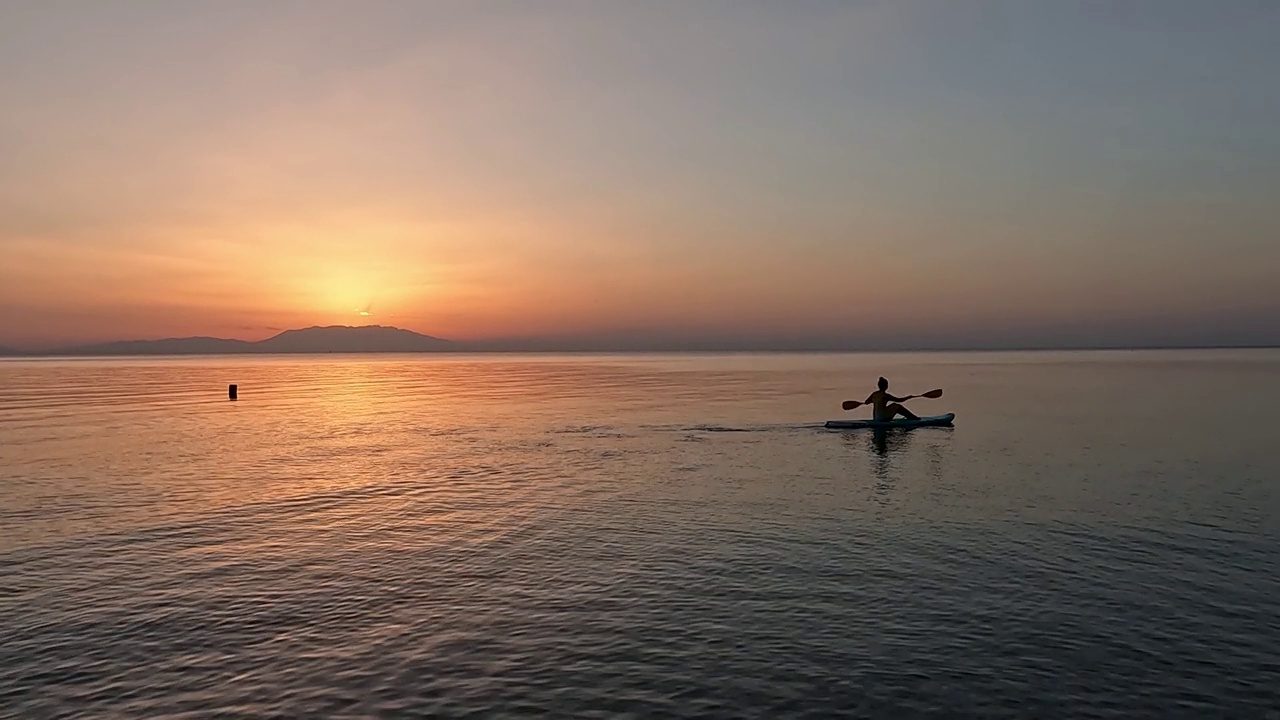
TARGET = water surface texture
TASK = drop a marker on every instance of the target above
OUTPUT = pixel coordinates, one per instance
(640, 536)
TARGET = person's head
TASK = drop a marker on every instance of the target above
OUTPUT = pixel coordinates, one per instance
(884, 384)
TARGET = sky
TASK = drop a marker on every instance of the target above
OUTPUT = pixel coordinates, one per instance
(663, 173)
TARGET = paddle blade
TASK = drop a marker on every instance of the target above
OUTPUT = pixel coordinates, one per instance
(850, 404)
(933, 394)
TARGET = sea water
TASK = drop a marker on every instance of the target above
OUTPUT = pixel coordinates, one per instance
(640, 536)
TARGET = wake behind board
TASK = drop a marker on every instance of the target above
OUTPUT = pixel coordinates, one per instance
(934, 421)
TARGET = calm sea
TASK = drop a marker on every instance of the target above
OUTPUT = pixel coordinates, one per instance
(640, 536)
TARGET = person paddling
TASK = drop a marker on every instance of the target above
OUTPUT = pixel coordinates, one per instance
(886, 407)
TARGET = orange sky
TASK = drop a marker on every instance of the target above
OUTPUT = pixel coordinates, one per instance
(827, 172)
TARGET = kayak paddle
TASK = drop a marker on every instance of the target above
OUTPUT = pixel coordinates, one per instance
(932, 395)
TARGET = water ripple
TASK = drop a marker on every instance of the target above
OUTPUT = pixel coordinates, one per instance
(608, 537)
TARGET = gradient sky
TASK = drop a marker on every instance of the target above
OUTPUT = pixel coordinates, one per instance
(782, 173)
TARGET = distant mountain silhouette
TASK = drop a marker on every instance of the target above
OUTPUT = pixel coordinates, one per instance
(340, 338)
(169, 346)
(333, 339)
(9, 351)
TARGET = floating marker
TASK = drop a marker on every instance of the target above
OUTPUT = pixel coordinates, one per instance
(232, 391)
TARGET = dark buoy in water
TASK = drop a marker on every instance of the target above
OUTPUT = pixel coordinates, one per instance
(232, 391)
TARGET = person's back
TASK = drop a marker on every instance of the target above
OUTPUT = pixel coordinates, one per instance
(879, 402)
(885, 406)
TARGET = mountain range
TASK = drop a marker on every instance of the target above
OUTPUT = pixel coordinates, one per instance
(332, 339)
(381, 339)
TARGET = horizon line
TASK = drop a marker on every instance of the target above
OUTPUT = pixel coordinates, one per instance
(373, 339)
(69, 354)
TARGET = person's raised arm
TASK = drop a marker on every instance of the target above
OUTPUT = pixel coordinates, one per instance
(851, 404)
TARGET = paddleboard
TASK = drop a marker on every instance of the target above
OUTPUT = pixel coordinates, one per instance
(934, 421)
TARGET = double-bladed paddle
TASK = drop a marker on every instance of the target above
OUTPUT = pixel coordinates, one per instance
(932, 394)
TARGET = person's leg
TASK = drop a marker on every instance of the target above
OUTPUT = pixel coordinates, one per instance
(896, 409)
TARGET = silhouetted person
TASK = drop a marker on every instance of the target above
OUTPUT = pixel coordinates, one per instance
(887, 406)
